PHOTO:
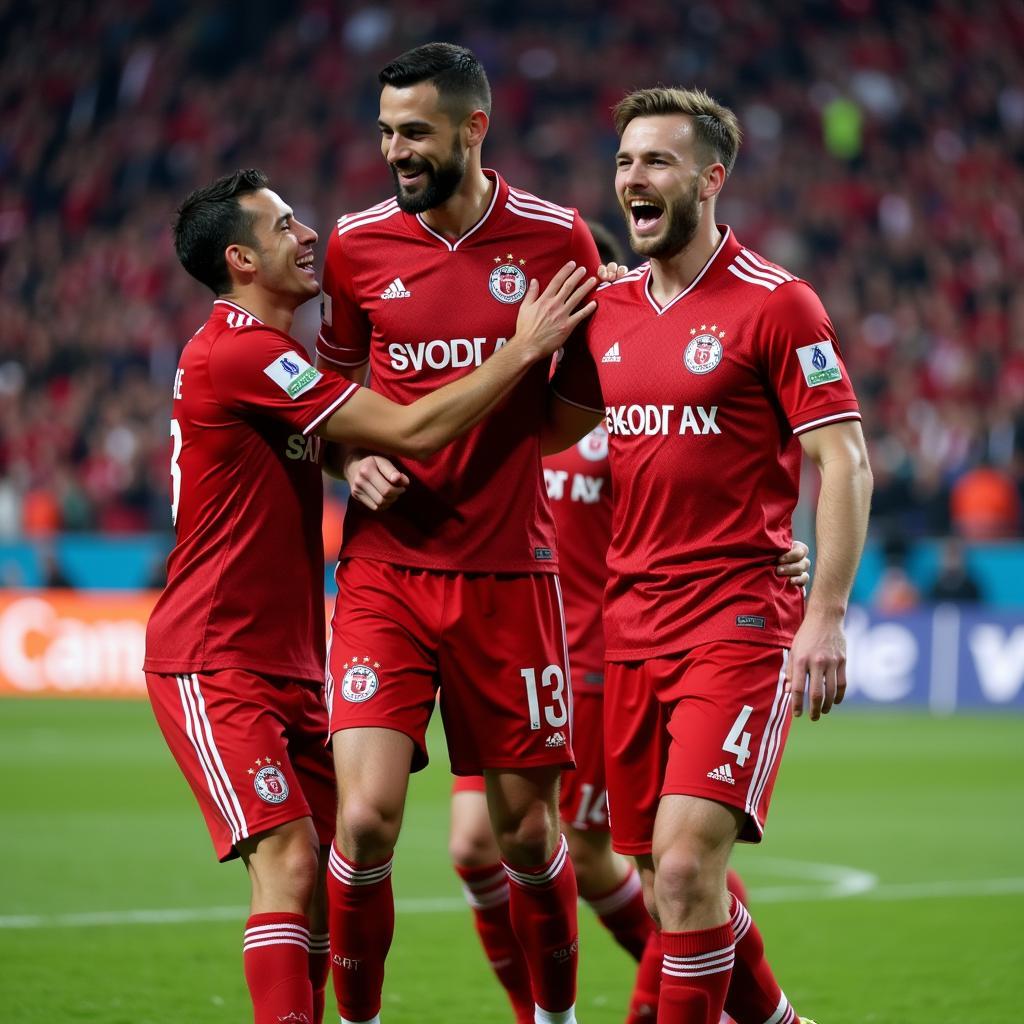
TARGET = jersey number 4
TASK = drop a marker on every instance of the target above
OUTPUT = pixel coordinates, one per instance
(556, 714)
(738, 741)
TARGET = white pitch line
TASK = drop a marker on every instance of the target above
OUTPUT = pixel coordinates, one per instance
(446, 905)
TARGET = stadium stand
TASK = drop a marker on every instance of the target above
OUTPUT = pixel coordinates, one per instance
(883, 155)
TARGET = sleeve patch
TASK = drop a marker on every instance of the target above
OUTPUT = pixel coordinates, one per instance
(819, 363)
(292, 374)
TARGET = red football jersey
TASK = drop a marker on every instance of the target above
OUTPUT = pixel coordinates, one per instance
(245, 581)
(579, 488)
(426, 311)
(703, 400)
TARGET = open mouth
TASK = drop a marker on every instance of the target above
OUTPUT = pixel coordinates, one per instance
(410, 175)
(305, 263)
(645, 214)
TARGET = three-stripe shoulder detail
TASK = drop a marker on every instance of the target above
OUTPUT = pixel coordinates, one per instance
(750, 267)
(523, 204)
(382, 211)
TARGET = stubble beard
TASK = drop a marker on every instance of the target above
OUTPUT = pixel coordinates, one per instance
(440, 186)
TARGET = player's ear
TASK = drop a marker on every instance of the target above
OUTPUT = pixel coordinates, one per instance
(474, 128)
(240, 258)
(712, 180)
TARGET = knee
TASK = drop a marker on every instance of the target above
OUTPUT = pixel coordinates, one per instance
(367, 830)
(687, 878)
(283, 868)
(530, 839)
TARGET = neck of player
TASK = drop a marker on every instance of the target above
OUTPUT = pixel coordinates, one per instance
(671, 275)
(274, 310)
(457, 215)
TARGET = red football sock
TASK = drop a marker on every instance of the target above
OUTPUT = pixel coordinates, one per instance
(361, 908)
(623, 913)
(487, 894)
(695, 972)
(319, 969)
(643, 1005)
(275, 954)
(542, 907)
(754, 994)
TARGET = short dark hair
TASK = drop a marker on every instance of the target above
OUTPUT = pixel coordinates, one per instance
(454, 71)
(715, 126)
(209, 220)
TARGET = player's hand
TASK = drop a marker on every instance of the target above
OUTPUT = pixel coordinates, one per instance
(817, 666)
(546, 318)
(795, 564)
(374, 481)
(611, 271)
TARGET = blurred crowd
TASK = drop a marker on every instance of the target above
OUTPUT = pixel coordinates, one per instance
(883, 161)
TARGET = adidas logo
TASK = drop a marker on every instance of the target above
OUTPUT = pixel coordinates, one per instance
(723, 773)
(612, 355)
(396, 290)
(556, 739)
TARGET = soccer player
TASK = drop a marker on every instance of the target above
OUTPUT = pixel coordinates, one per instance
(235, 644)
(455, 585)
(578, 486)
(713, 369)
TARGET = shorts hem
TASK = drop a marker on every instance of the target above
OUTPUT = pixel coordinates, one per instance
(265, 826)
(420, 757)
(749, 828)
(513, 765)
(631, 849)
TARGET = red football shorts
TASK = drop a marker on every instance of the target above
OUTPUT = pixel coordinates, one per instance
(710, 722)
(252, 749)
(493, 644)
(583, 800)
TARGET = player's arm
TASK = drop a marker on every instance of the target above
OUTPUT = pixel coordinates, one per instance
(422, 428)
(817, 660)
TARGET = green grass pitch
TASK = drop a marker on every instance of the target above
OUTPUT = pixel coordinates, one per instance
(890, 888)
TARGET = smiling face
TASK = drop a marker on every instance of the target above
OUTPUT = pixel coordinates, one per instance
(422, 146)
(658, 180)
(283, 258)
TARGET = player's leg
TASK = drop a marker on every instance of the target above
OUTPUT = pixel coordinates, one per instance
(314, 766)
(381, 685)
(228, 733)
(607, 882)
(282, 866)
(372, 767)
(477, 861)
(506, 700)
(729, 720)
(319, 939)
(542, 901)
(643, 1004)
(693, 838)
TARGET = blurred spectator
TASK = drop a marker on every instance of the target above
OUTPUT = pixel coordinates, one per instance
(985, 504)
(895, 592)
(954, 581)
(882, 161)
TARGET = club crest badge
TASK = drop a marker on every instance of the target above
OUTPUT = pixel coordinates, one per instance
(269, 781)
(360, 681)
(704, 352)
(507, 282)
(594, 447)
